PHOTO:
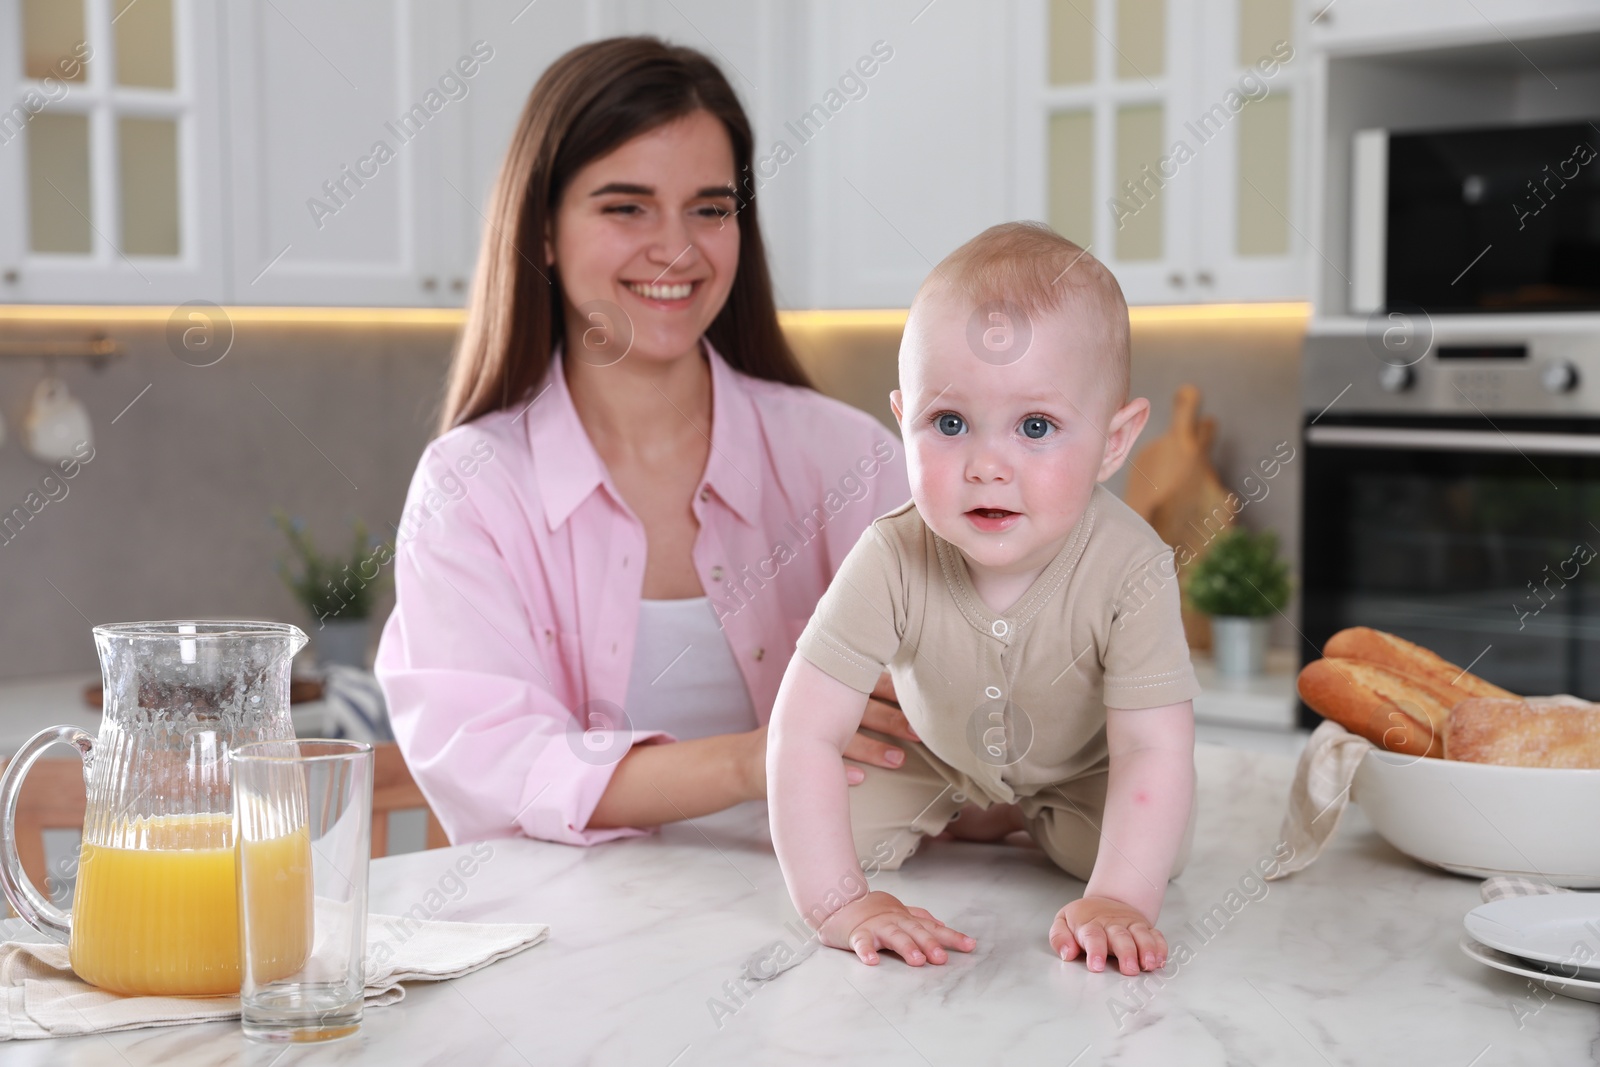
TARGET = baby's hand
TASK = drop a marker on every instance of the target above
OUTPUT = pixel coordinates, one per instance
(879, 921)
(1099, 924)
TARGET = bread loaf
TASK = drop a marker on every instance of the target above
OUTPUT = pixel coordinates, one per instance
(1394, 711)
(1520, 733)
(1398, 654)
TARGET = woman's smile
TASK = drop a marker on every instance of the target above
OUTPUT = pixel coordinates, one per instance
(674, 296)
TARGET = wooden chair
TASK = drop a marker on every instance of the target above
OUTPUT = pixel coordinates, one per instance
(52, 799)
(393, 789)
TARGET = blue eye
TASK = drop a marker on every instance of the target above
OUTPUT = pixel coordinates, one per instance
(950, 424)
(1036, 427)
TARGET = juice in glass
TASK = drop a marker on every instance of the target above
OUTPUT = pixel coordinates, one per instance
(163, 919)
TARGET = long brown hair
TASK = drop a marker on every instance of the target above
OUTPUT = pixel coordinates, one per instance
(590, 101)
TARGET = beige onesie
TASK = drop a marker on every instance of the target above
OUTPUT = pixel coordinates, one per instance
(1010, 707)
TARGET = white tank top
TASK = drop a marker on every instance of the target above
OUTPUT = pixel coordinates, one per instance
(685, 680)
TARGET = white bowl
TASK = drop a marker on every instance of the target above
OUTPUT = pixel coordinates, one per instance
(1480, 819)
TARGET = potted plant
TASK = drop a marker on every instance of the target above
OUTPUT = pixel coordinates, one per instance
(1240, 583)
(336, 591)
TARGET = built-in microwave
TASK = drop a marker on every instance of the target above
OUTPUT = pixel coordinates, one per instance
(1496, 219)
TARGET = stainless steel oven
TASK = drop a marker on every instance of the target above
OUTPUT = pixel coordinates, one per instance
(1452, 495)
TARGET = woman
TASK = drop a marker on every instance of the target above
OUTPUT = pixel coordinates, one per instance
(636, 499)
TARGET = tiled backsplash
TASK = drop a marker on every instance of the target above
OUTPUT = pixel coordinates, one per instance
(172, 515)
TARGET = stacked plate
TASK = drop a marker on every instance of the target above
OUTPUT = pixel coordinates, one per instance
(1553, 939)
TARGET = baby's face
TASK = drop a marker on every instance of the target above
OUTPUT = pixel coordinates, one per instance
(1004, 455)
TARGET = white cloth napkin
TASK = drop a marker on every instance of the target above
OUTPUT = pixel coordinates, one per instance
(41, 997)
(1504, 886)
(1320, 793)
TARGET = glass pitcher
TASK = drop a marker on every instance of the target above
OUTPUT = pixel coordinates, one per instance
(155, 909)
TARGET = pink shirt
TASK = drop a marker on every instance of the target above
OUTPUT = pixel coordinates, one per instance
(518, 576)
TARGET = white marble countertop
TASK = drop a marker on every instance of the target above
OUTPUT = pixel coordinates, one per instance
(1353, 961)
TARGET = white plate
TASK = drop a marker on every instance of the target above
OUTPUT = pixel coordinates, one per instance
(1561, 929)
(1576, 988)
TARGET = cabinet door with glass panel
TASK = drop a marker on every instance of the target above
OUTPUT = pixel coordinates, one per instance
(109, 179)
(1251, 107)
(1137, 136)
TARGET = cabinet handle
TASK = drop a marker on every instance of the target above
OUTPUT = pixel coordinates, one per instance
(1175, 279)
(430, 283)
(11, 276)
(1203, 277)
(457, 284)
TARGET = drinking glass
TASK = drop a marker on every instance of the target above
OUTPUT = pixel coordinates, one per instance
(303, 822)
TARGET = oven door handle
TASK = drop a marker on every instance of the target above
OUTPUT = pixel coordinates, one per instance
(1570, 444)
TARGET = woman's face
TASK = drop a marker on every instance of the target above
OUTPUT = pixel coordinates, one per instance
(648, 231)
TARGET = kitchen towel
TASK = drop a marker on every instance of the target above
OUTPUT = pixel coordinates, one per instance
(43, 998)
(1320, 793)
(1502, 886)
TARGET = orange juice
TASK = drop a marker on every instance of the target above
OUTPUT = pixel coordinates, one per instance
(164, 919)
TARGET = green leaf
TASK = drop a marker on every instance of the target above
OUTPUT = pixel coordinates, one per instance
(330, 587)
(1241, 576)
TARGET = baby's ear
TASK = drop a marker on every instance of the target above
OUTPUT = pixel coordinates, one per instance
(899, 411)
(1126, 423)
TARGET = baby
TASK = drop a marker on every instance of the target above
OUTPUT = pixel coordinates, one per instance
(1028, 619)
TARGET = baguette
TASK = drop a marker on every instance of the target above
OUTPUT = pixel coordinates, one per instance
(1392, 710)
(1519, 733)
(1398, 654)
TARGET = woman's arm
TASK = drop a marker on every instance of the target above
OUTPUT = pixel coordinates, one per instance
(492, 745)
(655, 784)
(477, 692)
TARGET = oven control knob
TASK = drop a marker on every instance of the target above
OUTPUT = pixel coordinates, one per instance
(1559, 376)
(1394, 378)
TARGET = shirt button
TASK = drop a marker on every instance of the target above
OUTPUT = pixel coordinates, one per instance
(716, 574)
(993, 693)
(1000, 628)
(705, 493)
(624, 561)
(613, 648)
(759, 653)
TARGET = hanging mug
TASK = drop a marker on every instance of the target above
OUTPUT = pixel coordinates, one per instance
(56, 423)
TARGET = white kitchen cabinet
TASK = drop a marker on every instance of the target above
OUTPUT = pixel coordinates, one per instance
(1375, 26)
(886, 134)
(1252, 213)
(1147, 133)
(111, 179)
(339, 126)
(915, 166)
(366, 137)
(525, 39)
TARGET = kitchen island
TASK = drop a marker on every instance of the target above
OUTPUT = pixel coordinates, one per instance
(1353, 961)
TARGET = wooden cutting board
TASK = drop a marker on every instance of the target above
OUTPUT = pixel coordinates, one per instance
(1174, 488)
